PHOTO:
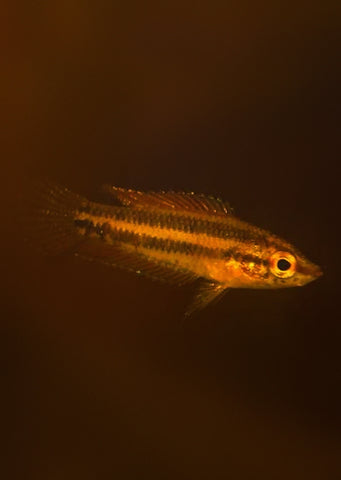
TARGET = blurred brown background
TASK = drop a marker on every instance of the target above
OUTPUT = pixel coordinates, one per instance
(101, 376)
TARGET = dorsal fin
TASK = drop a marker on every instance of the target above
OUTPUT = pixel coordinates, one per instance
(179, 201)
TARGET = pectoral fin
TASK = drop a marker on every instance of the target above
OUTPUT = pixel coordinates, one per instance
(208, 292)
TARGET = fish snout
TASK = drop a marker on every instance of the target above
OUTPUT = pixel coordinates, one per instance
(309, 272)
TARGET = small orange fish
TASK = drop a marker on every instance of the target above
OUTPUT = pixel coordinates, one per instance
(172, 237)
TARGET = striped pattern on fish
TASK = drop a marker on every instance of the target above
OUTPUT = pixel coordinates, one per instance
(174, 237)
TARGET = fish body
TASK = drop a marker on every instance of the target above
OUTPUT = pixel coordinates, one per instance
(175, 237)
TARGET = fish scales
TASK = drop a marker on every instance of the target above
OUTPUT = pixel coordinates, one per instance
(175, 237)
(113, 234)
(174, 232)
(230, 229)
(184, 240)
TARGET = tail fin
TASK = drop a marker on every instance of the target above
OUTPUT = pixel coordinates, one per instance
(49, 218)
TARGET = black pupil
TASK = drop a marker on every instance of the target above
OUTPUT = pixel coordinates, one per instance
(283, 264)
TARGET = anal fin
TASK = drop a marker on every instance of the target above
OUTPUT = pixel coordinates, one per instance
(126, 257)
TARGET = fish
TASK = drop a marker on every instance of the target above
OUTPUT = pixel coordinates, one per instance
(173, 237)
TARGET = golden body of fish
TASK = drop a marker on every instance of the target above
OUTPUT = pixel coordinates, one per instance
(173, 237)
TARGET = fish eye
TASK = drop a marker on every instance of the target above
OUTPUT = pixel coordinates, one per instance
(283, 264)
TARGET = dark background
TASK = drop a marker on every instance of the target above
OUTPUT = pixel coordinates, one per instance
(102, 378)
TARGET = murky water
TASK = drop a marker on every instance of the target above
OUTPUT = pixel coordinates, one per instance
(103, 378)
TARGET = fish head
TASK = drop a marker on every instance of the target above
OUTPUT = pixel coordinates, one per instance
(272, 265)
(289, 268)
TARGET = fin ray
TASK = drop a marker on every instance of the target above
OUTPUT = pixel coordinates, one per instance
(126, 258)
(207, 293)
(48, 218)
(180, 201)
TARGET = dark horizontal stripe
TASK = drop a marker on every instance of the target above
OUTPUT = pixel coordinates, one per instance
(241, 257)
(179, 222)
(90, 228)
(106, 232)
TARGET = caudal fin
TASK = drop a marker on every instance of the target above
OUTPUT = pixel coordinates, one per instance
(49, 218)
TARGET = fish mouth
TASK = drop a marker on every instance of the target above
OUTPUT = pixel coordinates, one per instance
(311, 270)
(318, 272)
